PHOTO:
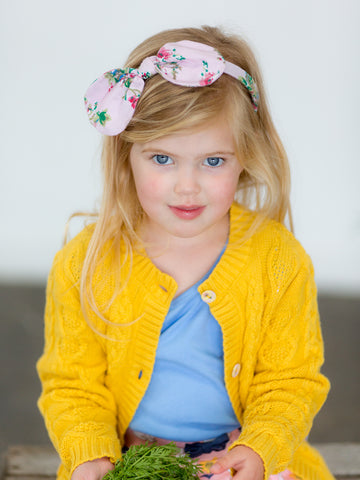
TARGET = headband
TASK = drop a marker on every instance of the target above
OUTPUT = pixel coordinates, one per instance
(111, 99)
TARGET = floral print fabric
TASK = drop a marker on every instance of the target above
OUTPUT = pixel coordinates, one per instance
(111, 99)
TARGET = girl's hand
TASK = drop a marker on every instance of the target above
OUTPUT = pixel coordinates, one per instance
(246, 463)
(92, 470)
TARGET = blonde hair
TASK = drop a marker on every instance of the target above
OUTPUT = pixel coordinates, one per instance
(165, 108)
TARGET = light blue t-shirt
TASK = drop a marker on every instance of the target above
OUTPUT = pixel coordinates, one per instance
(186, 399)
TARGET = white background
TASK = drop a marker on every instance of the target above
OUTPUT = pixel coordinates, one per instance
(52, 50)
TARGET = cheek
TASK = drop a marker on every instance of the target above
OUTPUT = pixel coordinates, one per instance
(149, 188)
(153, 185)
(226, 188)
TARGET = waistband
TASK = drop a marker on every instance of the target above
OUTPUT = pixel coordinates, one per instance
(193, 449)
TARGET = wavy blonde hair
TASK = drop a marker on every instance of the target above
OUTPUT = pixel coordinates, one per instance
(165, 108)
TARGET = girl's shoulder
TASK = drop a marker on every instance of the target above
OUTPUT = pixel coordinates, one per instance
(271, 244)
(274, 239)
(80, 242)
(69, 259)
(264, 232)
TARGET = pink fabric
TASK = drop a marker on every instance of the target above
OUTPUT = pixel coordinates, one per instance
(190, 64)
(111, 99)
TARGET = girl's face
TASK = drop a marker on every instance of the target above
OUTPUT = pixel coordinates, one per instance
(186, 183)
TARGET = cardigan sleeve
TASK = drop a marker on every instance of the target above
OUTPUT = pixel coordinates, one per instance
(79, 410)
(287, 389)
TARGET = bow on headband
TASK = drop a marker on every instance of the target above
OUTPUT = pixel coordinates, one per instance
(110, 100)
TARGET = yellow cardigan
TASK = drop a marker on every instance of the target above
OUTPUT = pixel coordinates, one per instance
(263, 295)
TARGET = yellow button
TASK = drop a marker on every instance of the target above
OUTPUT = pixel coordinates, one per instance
(208, 296)
(236, 370)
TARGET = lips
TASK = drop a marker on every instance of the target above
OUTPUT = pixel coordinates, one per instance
(187, 212)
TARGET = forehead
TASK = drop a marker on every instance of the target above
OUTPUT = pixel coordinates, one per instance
(212, 137)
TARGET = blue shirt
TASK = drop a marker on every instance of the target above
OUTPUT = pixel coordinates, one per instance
(186, 399)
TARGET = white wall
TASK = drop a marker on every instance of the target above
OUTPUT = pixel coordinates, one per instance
(51, 51)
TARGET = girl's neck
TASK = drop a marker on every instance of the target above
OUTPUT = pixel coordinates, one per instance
(186, 260)
(158, 244)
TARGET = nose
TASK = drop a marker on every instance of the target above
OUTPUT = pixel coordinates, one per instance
(187, 181)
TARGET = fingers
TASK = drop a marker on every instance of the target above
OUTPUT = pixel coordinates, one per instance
(226, 462)
(243, 461)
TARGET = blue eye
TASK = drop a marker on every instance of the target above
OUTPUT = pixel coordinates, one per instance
(214, 161)
(162, 159)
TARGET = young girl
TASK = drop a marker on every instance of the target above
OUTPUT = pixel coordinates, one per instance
(188, 311)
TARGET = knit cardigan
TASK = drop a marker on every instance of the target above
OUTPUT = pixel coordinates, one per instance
(94, 372)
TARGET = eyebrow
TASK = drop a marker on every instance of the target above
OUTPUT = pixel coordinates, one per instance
(209, 154)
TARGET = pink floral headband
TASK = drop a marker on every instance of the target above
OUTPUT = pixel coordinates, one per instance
(110, 100)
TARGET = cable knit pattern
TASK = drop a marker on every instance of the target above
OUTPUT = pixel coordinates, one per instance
(266, 306)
